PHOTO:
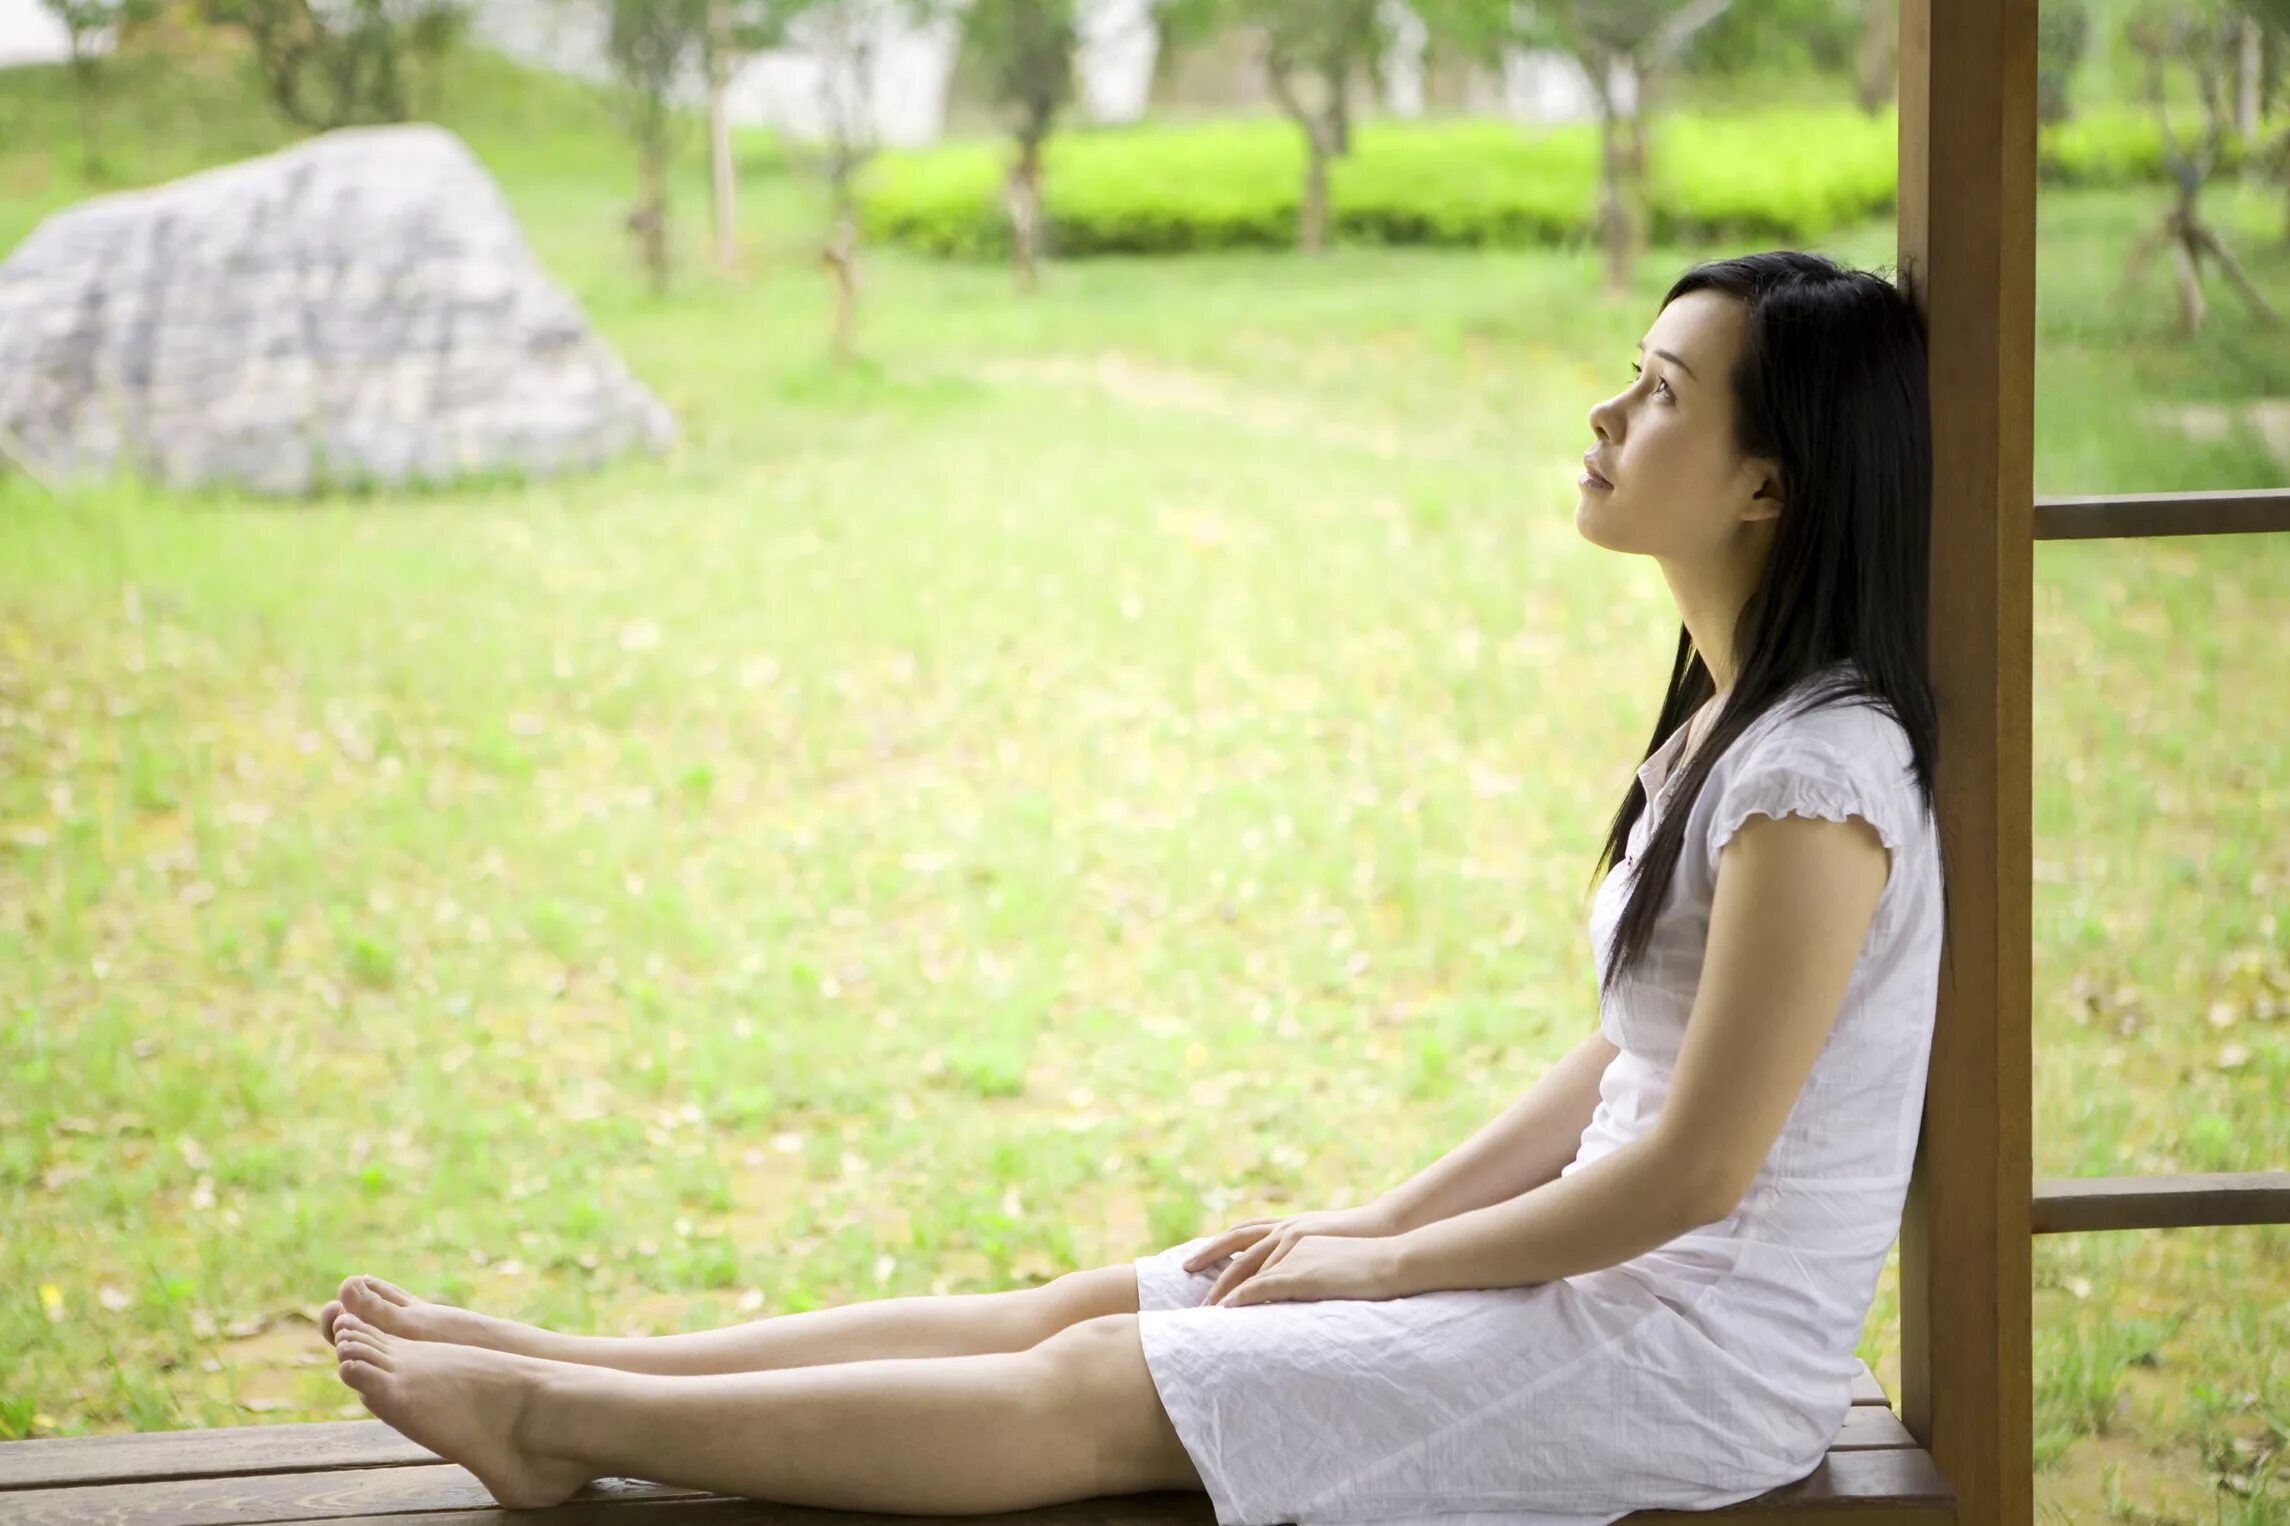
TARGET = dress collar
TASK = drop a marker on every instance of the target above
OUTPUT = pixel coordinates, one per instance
(1655, 771)
(1656, 768)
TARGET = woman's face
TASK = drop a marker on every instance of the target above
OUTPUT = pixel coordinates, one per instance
(1680, 489)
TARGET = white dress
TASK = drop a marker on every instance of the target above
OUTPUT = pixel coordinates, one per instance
(1706, 1371)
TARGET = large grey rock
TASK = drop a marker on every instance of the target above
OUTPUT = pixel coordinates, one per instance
(359, 308)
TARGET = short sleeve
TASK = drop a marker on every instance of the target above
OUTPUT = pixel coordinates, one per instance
(1808, 776)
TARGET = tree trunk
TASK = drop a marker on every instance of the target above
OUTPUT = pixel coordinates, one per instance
(1320, 122)
(1024, 199)
(1637, 192)
(650, 220)
(83, 98)
(2190, 281)
(2208, 242)
(2186, 239)
(1312, 233)
(720, 129)
(2247, 81)
(1613, 229)
(1879, 62)
(841, 257)
(1637, 173)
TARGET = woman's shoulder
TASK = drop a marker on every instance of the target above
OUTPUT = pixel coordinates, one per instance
(1811, 751)
(1861, 726)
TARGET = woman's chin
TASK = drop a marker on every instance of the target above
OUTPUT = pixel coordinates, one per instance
(1588, 510)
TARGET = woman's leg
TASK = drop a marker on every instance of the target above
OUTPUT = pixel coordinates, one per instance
(1074, 1417)
(955, 1324)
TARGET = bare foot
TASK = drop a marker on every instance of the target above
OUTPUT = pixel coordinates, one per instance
(463, 1403)
(392, 1310)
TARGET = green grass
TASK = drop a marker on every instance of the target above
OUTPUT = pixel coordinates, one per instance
(1111, 765)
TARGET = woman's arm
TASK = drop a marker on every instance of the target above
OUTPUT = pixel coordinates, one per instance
(1524, 1146)
(1795, 899)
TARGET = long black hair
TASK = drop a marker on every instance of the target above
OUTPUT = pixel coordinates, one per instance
(1832, 385)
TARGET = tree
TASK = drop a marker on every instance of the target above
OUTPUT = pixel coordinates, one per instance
(721, 52)
(650, 45)
(1771, 38)
(1857, 40)
(83, 22)
(2063, 35)
(341, 65)
(2273, 18)
(1027, 48)
(1312, 50)
(1876, 75)
(1624, 48)
(656, 50)
(845, 39)
(2204, 36)
(2249, 94)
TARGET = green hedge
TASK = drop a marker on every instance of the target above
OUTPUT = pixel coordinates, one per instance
(2121, 145)
(1778, 176)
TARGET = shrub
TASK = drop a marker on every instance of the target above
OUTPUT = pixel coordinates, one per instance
(1779, 176)
(2122, 145)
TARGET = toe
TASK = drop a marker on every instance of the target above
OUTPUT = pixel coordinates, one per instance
(390, 1292)
(372, 1300)
(326, 1318)
(359, 1348)
(360, 1299)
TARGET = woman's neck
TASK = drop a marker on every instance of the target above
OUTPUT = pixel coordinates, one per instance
(1697, 727)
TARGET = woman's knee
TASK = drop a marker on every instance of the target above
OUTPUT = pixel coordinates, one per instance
(1094, 1373)
(1087, 1293)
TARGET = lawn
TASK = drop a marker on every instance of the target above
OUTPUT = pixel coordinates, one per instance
(1113, 764)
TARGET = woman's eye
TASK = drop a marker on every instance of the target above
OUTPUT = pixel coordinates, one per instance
(1637, 370)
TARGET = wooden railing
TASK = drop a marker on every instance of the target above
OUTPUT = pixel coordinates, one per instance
(2075, 1204)
(2128, 515)
(2072, 1204)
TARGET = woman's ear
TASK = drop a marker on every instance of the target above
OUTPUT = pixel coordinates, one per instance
(1765, 500)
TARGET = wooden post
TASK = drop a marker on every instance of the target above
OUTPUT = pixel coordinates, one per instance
(1967, 252)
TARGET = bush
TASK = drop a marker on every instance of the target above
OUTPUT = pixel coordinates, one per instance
(1779, 176)
(1165, 189)
(2122, 145)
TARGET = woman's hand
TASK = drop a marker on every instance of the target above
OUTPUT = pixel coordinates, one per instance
(1349, 1257)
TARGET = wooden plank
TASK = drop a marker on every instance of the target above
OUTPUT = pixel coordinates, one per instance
(300, 1447)
(2129, 515)
(329, 1495)
(1877, 1486)
(1867, 1390)
(1868, 1428)
(289, 1447)
(1967, 251)
(2071, 1204)
(260, 1468)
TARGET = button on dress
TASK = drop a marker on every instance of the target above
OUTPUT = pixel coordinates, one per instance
(1705, 1371)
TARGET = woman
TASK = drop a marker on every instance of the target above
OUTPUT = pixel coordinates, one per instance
(1643, 1284)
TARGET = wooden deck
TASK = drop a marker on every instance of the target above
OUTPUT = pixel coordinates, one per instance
(361, 1470)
